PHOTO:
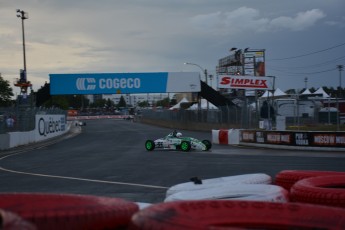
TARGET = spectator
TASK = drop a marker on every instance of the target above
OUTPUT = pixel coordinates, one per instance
(10, 122)
(267, 113)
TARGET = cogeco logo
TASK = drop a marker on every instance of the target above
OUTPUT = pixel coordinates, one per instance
(108, 83)
(119, 83)
(86, 83)
(48, 127)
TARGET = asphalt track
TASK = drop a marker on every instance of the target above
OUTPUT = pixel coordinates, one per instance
(108, 158)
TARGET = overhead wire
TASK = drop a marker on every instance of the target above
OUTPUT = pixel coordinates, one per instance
(304, 55)
(329, 62)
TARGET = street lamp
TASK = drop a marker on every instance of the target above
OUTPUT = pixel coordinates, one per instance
(202, 69)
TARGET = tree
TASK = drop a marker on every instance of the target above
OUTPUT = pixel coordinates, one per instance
(5, 92)
(122, 102)
(164, 103)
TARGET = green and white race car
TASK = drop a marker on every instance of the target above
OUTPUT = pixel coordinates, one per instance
(175, 141)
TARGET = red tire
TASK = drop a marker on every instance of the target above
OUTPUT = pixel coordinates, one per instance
(61, 211)
(11, 221)
(219, 214)
(324, 190)
(287, 178)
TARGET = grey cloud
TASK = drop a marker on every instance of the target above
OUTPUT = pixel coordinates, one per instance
(246, 19)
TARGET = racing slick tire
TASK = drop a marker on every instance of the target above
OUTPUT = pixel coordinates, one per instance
(226, 214)
(323, 190)
(66, 211)
(287, 178)
(150, 145)
(185, 146)
(208, 144)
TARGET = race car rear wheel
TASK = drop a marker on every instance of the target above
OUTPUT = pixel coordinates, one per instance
(208, 144)
(185, 146)
(150, 145)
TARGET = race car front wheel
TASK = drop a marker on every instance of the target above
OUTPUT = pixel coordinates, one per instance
(208, 144)
(150, 145)
(185, 146)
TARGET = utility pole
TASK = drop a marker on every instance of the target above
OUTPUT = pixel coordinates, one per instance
(340, 68)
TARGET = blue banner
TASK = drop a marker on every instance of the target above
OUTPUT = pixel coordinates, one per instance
(123, 83)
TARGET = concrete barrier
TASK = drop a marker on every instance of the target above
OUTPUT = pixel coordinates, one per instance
(47, 127)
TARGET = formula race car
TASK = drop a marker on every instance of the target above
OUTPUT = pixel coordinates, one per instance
(175, 141)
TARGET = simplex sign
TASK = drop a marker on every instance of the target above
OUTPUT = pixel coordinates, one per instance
(245, 82)
(123, 83)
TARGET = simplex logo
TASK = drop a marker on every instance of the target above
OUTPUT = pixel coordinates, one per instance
(86, 84)
(51, 125)
(108, 83)
(245, 82)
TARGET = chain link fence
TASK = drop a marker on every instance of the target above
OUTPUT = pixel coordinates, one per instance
(22, 118)
(245, 117)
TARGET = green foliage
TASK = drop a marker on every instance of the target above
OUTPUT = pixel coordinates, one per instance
(5, 92)
(57, 101)
(143, 104)
(164, 103)
(122, 102)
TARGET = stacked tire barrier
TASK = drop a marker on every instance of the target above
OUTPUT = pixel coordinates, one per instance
(314, 187)
(309, 200)
(62, 211)
(295, 199)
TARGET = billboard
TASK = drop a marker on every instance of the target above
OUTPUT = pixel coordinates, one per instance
(245, 82)
(254, 62)
(124, 83)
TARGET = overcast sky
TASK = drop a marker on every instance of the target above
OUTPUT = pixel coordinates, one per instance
(116, 36)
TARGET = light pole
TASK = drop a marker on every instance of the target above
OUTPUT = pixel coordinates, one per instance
(23, 15)
(23, 83)
(340, 68)
(205, 73)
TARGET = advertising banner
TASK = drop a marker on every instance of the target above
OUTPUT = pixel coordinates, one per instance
(245, 82)
(254, 61)
(302, 139)
(48, 126)
(123, 83)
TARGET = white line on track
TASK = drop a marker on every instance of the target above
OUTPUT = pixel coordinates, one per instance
(76, 178)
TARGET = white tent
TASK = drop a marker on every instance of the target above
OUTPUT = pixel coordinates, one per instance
(203, 105)
(307, 91)
(178, 105)
(321, 91)
(278, 92)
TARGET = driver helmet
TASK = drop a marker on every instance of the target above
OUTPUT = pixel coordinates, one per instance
(178, 134)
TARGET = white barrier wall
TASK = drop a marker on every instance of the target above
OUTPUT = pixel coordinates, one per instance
(226, 136)
(46, 127)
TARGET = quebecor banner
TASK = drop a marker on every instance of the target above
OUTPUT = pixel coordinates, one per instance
(245, 82)
(123, 83)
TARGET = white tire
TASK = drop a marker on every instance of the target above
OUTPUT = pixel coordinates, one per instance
(255, 178)
(253, 192)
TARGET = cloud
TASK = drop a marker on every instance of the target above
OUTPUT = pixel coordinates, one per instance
(246, 19)
(302, 21)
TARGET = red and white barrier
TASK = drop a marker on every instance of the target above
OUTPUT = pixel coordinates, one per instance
(226, 136)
